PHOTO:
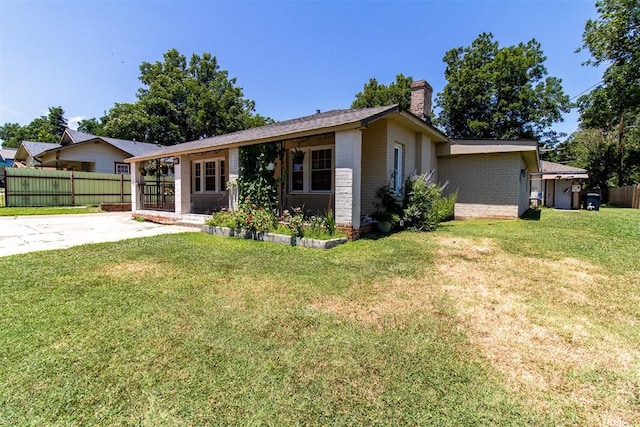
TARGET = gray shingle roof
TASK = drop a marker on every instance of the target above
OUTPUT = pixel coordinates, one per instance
(78, 136)
(7, 153)
(134, 148)
(313, 122)
(550, 167)
(36, 148)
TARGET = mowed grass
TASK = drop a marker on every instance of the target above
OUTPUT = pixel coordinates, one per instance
(480, 323)
(62, 210)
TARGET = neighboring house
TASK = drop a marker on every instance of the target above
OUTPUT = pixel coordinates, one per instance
(558, 185)
(348, 155)
(6, 160)
(6, 156)
(28, 152)
(83, 152)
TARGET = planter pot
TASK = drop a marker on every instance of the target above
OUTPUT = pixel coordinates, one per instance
(384, 226)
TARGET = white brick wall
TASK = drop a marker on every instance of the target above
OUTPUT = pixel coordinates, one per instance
(234, 174)
(348, 178)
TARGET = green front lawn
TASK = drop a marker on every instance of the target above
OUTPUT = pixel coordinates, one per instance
(62, 210)
(480, 323)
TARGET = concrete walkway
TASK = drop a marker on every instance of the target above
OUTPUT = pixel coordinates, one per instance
(24, 234)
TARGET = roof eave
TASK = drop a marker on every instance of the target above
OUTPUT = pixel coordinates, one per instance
(163, 152)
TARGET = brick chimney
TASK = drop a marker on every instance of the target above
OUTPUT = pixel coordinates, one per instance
(421, 93)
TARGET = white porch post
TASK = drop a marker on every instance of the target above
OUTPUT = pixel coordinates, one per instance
(234, 174)
(348, 178)
(182, 193)
(135, 189)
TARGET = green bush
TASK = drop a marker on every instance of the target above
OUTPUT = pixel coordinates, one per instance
(247, 217)
(426, 206)
(250, 217)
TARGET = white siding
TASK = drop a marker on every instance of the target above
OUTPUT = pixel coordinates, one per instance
(101, 155)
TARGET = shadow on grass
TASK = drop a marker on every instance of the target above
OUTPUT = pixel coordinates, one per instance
(532, 215)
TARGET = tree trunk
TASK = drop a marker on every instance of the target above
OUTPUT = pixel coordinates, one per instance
(621, 151)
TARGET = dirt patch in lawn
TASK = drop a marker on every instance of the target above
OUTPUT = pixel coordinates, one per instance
(134, 268)
(524, 314)
(386, 303)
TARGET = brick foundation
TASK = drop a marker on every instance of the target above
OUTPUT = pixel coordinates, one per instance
(155, 218)
(354, 234)
(115, 207)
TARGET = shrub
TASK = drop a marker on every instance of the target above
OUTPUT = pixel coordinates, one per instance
(330, 222)
(294, 220)
(426, 206)
(247, 217)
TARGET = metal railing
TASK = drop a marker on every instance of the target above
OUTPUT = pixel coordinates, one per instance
(158, 195)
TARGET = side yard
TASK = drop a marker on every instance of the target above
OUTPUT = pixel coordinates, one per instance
(480, 323)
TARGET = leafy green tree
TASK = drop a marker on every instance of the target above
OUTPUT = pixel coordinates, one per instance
(181, 101)
(92, 126)
(375, 94)
(47, 128)
(500, 93)
(12, 134)
(614, 39)
(593, 150)
(127, 121)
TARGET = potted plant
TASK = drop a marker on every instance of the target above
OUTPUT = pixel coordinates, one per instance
(297, 156)
(385, 220)
(388, 210)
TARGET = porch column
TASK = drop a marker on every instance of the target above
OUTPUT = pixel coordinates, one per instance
(348, 154)
(135, 189)
(182, 188)
(234, 174)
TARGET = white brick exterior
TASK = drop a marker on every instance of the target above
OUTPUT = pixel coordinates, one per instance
(234, 174)
(135, 193)
(348, 178)
(182, 173)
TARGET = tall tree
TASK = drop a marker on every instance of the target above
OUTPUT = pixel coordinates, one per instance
(181, 101)
(500, 93)
(614, 39)
(375, 94)
(47, 128)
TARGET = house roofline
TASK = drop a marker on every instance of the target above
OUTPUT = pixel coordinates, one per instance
(357, 124)
(224, 146)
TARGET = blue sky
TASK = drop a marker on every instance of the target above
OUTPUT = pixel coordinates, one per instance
(291, 57)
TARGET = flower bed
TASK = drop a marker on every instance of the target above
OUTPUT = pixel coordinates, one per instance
(273, 237)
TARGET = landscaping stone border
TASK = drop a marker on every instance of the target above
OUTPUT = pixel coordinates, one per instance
(275, 238)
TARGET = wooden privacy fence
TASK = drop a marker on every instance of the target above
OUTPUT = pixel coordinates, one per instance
(625, 197)
(37, 187)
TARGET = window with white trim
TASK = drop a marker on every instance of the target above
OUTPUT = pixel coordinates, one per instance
(122, 168)
(312, 174)
(208, 176)
(398, 172)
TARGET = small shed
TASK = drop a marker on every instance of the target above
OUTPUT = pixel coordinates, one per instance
(557, 185)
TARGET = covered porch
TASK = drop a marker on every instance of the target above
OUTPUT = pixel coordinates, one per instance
(316, 171)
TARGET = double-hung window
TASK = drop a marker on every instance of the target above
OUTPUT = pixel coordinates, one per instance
(398, 173)
(314, 173)
(122, 168)
(208, 176)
